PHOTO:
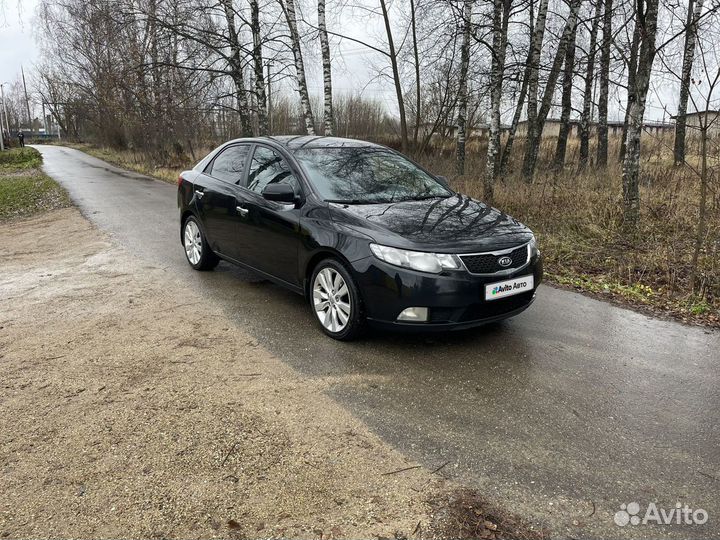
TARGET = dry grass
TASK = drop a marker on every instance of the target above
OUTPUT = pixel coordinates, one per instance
(578, 220)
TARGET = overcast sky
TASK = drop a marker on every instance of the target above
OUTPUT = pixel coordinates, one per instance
(352, 63)
(17, 41)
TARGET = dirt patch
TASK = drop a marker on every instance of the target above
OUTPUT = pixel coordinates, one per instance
(131, 411)
(132, 408)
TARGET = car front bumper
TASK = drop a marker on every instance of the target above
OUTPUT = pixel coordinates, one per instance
(455, 299)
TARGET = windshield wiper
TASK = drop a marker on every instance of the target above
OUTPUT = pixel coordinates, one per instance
(345, 201)
(359, 201)
(426, 197)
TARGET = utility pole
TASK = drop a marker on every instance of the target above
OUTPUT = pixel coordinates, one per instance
(27, 102)
(269, 100)
(45, 122)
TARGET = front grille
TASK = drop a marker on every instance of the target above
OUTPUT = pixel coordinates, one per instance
(487, 263)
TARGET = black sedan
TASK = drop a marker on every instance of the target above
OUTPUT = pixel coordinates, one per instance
(365, 234)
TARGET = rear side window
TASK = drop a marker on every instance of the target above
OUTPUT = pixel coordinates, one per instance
(268, 167)
(229, 165)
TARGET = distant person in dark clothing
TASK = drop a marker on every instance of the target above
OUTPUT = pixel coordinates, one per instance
(21, 139)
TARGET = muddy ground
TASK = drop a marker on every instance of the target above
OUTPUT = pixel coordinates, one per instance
(131, 408)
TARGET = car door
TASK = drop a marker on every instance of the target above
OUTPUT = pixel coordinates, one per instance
(216, 199)
(271, 229)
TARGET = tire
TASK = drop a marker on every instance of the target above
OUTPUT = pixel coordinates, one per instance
(198, 253)
(339, 310)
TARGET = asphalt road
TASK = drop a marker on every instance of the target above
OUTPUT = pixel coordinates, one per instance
(562, 414)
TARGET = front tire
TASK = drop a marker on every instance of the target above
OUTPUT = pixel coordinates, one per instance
(197, 251)
(335, 301)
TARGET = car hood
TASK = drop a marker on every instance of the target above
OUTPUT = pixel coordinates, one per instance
(454, 224)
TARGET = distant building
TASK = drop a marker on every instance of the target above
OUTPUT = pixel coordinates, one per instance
(551, 128)
(449, 131)
(615, 127)
(695, 120)
(657, 129)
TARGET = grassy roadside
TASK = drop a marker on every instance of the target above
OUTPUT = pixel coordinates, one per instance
(24, 189)
(577, 219)
(165, 169)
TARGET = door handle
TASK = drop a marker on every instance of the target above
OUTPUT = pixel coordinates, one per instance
(242, 211)
(199, 194)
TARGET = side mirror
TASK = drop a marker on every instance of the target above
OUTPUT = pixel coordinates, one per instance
(282, 193)
(444, 181)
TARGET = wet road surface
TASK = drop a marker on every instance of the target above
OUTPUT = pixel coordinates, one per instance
(561, 414)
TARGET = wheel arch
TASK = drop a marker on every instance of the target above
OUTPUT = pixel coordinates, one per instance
(314, 260)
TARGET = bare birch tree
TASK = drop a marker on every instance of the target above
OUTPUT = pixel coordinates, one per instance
(537, 31)
(501, 18)
(259, 75)
(535, 129)
(567, 88)
(463, 86)
(589, 79)
(534, 73)
(646, 18)
(694, 11)
(631, 74)
(328, 117)
(602, 126)
(291, 18)
(236, 65)
(392, 53)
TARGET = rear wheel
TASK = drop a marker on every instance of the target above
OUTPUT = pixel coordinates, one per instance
(198, 253)
(336, 302)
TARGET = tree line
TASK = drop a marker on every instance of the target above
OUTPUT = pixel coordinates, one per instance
(147, 73)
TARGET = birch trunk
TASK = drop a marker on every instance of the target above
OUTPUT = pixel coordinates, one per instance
(534, 26)
(535, 130)
(702, 224)
(261, 106)
(602, 128)
(586, 115)
(534, 72)
(462, 87)
(328, 116)
(418, 95)
(501, 14)
(688, 57)
(396, 77)
(235, 61)
(291, 17)
(632, 72)
(631, 163)
(561, 147)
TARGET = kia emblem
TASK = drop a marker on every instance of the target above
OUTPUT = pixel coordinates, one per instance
(505, 261)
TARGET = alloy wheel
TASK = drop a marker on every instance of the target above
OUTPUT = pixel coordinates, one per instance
(331, 300)
(193, 242)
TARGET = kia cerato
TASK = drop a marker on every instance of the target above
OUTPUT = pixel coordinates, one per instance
(366, 235)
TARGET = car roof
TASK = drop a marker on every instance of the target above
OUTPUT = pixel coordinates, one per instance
(293, 143)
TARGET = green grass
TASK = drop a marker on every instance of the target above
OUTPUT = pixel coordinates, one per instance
(20, 159)
(24, 189)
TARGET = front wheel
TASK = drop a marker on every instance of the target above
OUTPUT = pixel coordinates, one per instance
(336, 301)
(197, 251)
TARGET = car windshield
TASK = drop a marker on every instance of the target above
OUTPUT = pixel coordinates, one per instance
(367, 175)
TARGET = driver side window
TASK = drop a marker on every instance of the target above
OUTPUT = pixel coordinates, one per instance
(268, 167)
(229, 165)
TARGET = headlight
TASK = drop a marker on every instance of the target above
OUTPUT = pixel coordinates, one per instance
(533, 247)
(416, 260)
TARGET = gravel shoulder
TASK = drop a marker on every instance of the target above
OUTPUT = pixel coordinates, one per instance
(131, 408)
